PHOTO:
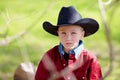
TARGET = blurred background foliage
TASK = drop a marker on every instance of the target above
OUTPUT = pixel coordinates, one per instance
(22, 37)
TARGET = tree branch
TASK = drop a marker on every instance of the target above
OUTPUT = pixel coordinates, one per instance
(9, 39)
(108, 37)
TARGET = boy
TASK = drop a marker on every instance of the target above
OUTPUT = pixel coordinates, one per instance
(69, 60)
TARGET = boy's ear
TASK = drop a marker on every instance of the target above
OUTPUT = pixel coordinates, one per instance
(57, 31)
(83, 33)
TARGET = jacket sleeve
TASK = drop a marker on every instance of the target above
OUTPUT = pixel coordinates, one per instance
(41, 73)
(94, 71)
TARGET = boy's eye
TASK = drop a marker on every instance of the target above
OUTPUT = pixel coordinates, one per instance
(73, 33)
(63, 33)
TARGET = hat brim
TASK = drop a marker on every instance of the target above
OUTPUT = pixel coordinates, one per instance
(89, 25)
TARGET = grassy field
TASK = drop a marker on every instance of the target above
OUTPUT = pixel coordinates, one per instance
(17, 16)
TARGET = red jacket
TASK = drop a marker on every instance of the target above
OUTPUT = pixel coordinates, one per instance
(53, 67)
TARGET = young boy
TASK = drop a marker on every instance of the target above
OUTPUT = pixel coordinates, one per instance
(69, 60)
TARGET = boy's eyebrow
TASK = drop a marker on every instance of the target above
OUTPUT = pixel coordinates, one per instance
(61, 30)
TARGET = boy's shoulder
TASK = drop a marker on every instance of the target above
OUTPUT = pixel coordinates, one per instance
(89, 54)
(53, 51)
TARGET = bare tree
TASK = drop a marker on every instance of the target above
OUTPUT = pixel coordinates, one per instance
(6, 40)
(104, 6)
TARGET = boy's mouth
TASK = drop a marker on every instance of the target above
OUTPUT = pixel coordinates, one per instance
(68, 43)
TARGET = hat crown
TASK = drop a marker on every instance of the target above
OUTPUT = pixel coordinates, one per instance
(68, 15)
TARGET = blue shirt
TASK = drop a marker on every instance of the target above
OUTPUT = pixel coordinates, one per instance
(77, 51)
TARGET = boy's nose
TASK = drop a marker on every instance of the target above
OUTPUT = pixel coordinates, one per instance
(68, 37)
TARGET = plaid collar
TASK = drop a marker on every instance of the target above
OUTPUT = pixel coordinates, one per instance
(77, 51)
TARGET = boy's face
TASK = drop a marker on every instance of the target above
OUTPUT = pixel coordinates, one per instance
(70, 36)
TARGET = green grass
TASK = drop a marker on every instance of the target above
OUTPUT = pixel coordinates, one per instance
(33, 45)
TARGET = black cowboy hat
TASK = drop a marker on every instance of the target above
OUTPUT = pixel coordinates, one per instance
(69, 16)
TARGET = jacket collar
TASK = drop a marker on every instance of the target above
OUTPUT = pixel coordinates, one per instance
(77, 51)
